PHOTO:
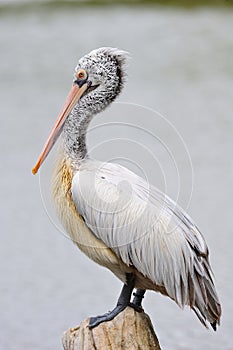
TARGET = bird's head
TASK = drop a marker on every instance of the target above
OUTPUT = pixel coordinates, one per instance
(102, 69)
(98, 79)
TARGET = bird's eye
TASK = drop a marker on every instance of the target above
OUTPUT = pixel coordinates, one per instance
(81, 74)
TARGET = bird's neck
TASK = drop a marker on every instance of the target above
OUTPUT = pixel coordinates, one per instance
(74, 136)
(75, 128)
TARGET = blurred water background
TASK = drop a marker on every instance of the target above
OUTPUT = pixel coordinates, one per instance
(181, 66)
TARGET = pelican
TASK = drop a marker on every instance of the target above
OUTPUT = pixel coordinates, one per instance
(135, 231)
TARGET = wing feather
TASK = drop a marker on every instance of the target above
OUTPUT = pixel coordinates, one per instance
(146, 229)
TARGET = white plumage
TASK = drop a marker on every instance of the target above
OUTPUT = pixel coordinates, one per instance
(145, 229)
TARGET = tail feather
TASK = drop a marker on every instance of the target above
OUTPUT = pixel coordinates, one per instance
(200, 316)
(206, 303)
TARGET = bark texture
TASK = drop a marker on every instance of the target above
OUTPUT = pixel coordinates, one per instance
(129, 330)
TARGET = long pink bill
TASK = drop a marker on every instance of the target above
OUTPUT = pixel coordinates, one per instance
(74, 95)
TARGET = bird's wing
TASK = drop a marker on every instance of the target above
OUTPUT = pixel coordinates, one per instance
(146, 229)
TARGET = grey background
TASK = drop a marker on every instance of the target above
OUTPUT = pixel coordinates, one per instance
(182, 67)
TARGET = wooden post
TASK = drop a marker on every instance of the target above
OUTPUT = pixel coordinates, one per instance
(130, 330)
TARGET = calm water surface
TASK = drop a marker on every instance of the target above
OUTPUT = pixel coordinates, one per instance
(182, 67)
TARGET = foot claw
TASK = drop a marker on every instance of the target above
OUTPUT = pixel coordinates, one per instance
(95, 321)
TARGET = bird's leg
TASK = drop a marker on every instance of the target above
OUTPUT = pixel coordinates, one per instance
(122, 303)
(138, 296)
(137, 300)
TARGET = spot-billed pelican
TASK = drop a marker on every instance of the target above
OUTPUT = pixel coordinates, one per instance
(135, 231)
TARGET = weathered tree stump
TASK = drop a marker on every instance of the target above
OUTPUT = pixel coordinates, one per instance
(129, 330)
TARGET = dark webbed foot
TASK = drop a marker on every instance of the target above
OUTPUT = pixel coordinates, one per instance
(123, 302)
(95, 321)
